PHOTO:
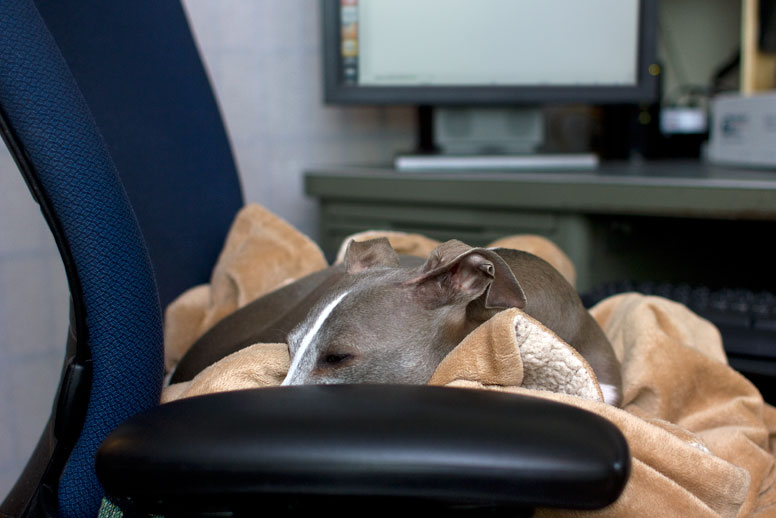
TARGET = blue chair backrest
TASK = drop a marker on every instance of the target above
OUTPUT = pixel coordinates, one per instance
(138, 67)
(113, 125)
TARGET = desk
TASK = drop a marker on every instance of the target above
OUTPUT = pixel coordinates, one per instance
(679, 221)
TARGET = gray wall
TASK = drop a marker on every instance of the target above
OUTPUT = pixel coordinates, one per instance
(264, 61)
(33, 321)
(696, 37)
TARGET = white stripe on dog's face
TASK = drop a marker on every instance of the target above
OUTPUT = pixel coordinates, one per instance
(310, 336)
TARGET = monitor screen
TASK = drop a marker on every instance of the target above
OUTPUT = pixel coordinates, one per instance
(488, 51)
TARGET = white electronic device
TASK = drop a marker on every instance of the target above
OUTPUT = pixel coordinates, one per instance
(743, 131)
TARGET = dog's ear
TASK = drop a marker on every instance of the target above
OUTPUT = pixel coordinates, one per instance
(456, 273)
(361, 255)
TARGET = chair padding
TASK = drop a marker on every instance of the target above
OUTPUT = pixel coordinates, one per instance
(452, 446)
(50, 131)
(137, 66)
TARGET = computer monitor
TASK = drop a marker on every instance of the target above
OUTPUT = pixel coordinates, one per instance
(486, 53)
(441, 52)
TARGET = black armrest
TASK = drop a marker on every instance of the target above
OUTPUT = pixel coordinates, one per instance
(453, 447)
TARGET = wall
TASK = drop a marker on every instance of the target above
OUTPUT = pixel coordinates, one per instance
(33, 321)
(695, 38)
(263, 60)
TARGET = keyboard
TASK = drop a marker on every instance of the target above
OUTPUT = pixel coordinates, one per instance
(746, 319)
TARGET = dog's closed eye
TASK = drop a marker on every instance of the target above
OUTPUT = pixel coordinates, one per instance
(332, 359)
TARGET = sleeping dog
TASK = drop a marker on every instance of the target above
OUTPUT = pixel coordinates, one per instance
(379, 318)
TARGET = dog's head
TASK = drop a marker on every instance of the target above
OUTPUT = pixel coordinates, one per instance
(383, 323)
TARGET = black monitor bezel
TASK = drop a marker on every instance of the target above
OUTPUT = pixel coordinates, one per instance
(335, 92)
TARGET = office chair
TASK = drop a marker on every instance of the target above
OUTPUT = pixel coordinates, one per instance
(109, 115)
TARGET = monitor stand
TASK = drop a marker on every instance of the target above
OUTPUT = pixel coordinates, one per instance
(466, 139)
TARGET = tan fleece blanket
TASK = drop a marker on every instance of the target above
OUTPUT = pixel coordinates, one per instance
(701, 437)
